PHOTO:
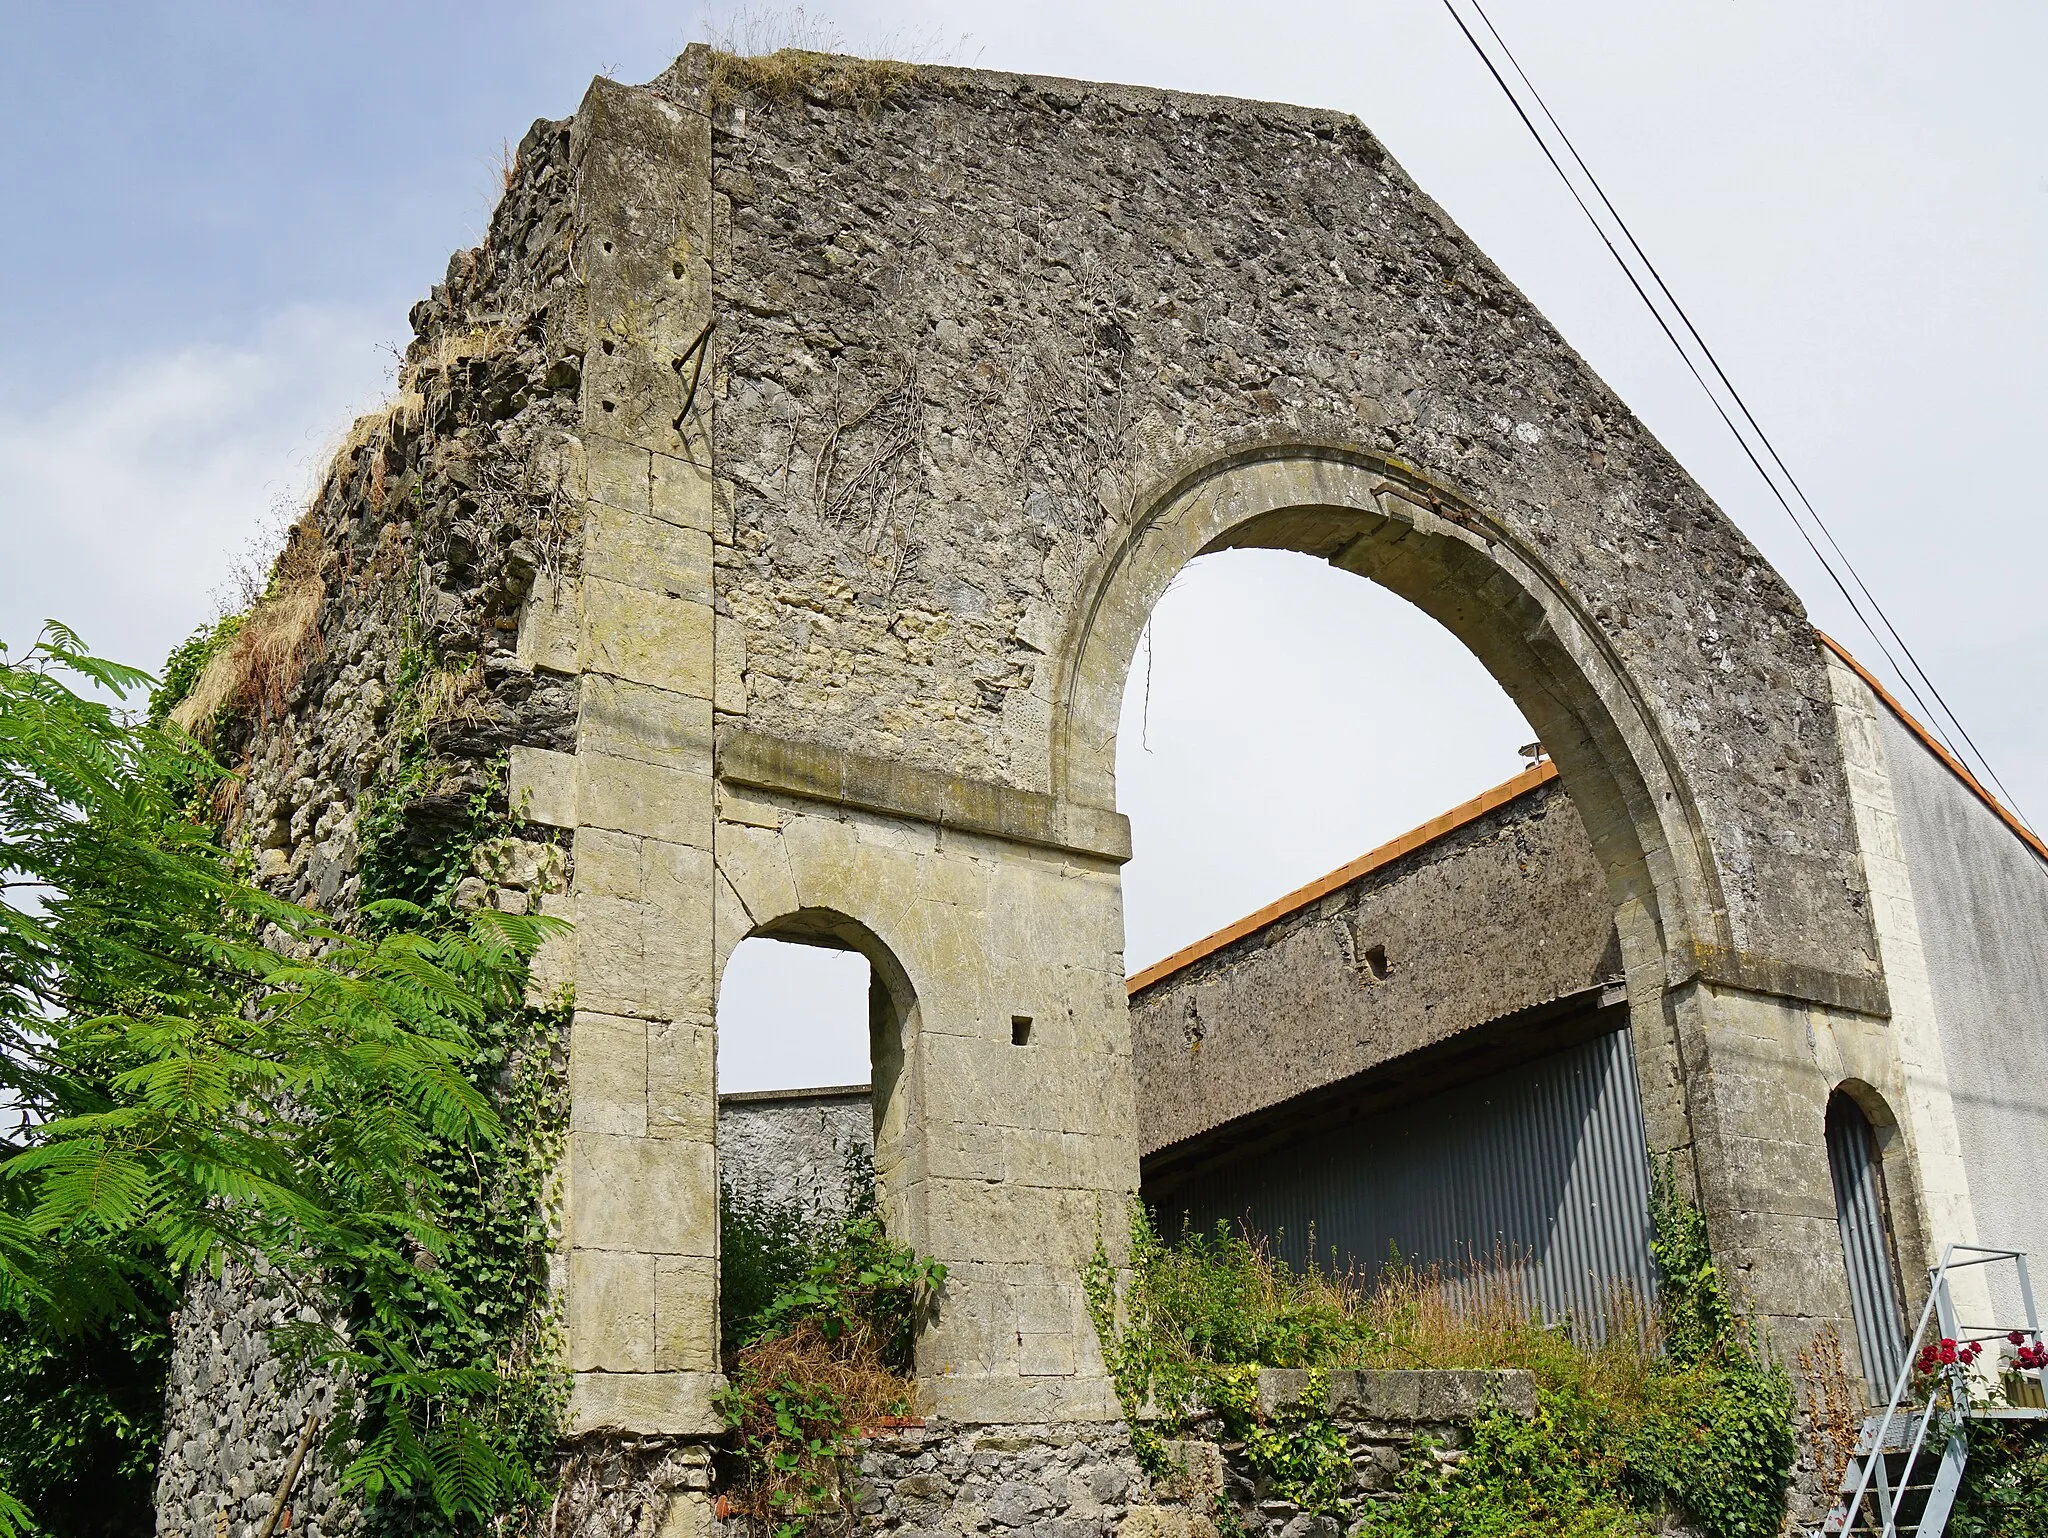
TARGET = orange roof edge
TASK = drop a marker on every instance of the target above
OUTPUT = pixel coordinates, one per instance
(1954, 765)
(1414, 839)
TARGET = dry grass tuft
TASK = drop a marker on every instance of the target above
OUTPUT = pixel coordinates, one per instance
(1486, 1318)
(453, 694)
(839, 79)
(787, 53)
(452, 347)
(256, 671)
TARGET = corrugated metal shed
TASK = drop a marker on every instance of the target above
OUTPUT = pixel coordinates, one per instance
(1858, 1175)
(1544, 1162)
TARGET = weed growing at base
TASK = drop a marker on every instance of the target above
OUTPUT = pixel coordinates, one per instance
(824, 1310)
(1680, 1407)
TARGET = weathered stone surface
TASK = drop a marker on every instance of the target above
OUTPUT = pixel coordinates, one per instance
(793, 1149)
(1505, 912)
(1131, 281)
(233, 1418)
(643, 1195)
(993, 357)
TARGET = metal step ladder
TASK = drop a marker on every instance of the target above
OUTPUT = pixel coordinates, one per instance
(1902, 1479)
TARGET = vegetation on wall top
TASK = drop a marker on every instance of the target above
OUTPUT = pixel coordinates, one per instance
(1697, 1419)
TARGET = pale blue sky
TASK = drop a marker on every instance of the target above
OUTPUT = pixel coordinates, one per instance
(221, 212)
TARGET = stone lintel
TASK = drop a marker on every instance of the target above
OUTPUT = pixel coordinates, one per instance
(814, 772)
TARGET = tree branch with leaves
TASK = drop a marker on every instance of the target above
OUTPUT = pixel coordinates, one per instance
(195, 1074)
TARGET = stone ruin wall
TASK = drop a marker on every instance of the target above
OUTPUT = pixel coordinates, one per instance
(963, 334)
(791, 1148)
(426, 538)
(1504, 912)
(962, 326)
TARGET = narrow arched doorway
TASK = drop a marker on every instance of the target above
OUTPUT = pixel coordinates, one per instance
(1855, 1162)
(813, 1015)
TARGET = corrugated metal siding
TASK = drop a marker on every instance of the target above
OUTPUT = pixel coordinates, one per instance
(1866, 1242)
(1544, 1163)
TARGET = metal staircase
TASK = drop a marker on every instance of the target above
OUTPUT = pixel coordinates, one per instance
(1908, 1464)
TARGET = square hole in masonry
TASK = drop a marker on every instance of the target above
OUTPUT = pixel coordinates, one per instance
(1020, 1030)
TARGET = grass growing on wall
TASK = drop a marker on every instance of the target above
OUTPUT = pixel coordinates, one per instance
(1679, 1408)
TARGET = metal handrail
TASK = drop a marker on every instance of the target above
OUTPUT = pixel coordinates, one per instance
(1938, 1301)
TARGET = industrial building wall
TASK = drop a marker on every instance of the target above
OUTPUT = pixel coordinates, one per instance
(1544, 1161)
(1981, 895)
(1500, 907)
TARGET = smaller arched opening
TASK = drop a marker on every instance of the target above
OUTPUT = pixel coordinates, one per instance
(1859, 1126)
(813, 1021)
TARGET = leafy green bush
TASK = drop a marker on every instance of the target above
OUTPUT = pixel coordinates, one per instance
(823, 1354)
(1549, 1477)
(204, 1074)
(81, 1427)
(2005, 1482)
(763, 1247)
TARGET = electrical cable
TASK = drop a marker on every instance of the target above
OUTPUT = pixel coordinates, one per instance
(1748, 416)
(1685, 357)
(1713, 362)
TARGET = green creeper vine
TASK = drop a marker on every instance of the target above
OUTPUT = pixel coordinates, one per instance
(503, 1195)
(1296, 1450)
(496, 1266)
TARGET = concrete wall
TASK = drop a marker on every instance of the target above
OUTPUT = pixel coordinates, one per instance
(1505, 911)
(1982, 900)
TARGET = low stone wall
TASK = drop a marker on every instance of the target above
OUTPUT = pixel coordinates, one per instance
(1385, 1418)
(1084, 1481)
(223, 1456)
(792, 1146)
(1080, 1481)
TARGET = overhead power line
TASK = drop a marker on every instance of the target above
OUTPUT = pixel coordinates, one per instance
(1701, 361)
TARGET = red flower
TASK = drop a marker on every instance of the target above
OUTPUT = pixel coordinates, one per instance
(1948, 1351)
